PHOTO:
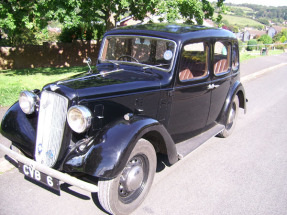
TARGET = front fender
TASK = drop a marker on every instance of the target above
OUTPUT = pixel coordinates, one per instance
(111, 148)
(236, 90)
(20, 129)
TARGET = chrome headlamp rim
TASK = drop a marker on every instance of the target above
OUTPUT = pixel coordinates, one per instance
(28, 101)
(86, 117)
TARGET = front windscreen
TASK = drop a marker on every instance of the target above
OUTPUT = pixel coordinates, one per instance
(148, 52)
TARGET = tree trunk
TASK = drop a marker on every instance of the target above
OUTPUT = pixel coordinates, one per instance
(110, 21)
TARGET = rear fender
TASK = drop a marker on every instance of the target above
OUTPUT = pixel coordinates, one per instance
(236, 90)
(112, 147)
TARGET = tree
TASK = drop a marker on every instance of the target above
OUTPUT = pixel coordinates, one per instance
(22, 19)
(194, 11)
(278, 36)
(266, 39)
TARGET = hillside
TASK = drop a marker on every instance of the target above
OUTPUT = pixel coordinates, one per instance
(241, 22)
(263, 14)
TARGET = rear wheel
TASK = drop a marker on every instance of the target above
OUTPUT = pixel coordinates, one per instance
(232, 118)
(125, 193)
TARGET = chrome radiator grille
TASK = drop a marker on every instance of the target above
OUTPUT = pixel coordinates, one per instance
(51, 125)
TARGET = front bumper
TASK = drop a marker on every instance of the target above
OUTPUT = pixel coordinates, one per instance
(49, 171)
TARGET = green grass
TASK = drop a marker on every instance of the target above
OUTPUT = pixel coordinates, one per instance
(247, 55)
(241, 21)
(12, 82)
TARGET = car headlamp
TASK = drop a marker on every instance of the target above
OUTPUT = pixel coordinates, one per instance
(79, 118)
(28, 101)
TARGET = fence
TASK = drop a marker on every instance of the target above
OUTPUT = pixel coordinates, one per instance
(47, 55)
(269, 46)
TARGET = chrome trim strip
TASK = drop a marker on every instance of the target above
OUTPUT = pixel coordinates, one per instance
(49, 171)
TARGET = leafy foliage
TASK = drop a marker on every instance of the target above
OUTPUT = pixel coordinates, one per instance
(283, 39)
(251, 42)
(278, 36)
(21, 20)
(191, 10)
(266, 39)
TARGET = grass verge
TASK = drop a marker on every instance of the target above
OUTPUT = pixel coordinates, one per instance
(12, 82)
(247, 55)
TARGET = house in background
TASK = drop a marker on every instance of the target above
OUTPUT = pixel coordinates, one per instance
(246, 36)
(271, 32)
(256, 33)
(243, 36)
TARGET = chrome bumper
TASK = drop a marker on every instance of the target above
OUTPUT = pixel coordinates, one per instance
(49, 171)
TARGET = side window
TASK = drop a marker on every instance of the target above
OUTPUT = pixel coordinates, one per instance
(193, 61)
(235, 57)
(221, 57)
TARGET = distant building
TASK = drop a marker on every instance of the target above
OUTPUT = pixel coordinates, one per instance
(256, 33)
(243, 36)
(239, 35)
(246, 36)
(271, 32)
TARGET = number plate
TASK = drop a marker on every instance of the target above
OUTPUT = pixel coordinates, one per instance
(39, 176)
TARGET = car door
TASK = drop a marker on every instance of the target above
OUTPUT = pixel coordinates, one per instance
(191, 96)
(220, 78)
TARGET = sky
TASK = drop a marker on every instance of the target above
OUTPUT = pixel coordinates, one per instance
(275, 3)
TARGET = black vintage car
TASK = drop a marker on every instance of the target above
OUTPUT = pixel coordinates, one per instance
(158, 89)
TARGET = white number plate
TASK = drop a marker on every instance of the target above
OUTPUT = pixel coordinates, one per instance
(39, 176)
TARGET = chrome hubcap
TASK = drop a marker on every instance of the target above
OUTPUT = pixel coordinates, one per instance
(231, 116)
(133, 178)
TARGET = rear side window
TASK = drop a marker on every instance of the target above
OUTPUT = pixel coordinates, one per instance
(221, 57)
(194, 60)
(235, 57)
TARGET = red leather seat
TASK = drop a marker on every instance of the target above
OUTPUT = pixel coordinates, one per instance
(220, 66)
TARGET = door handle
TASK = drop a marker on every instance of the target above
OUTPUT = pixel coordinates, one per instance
(210, 86)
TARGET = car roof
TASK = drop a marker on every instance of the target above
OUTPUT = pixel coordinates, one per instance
(176, 32)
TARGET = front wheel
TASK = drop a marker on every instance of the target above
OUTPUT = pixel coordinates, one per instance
(232, 118)
(126, 192)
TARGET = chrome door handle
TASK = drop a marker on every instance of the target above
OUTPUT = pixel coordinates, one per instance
(210, 86)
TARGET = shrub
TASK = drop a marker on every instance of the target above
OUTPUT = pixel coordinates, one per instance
(253, 43)
(278, 45)
(283, 39)
(266, 39)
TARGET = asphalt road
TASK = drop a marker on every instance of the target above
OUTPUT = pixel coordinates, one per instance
(243, 174)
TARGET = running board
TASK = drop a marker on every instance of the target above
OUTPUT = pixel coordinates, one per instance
(187, 146)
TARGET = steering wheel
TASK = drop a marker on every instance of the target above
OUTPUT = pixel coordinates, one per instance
(124, 57)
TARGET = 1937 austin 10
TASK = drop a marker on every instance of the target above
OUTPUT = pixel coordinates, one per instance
(158, 89)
